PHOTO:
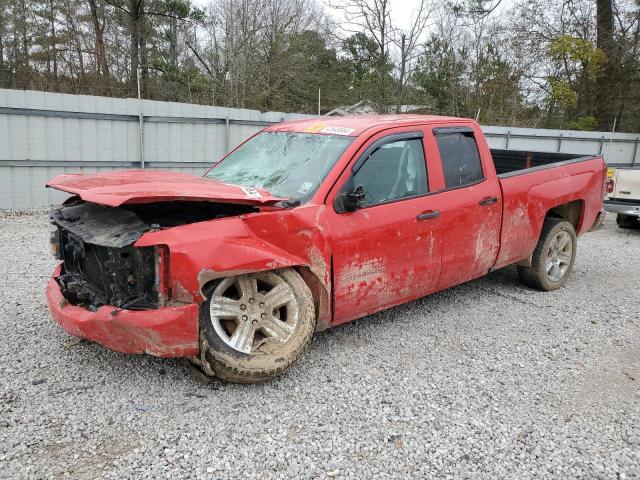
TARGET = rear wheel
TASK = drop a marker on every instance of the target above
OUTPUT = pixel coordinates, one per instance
(553, 258)
(627, 221)
(254, 327)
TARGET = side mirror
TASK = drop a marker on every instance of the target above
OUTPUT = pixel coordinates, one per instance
(354, 199)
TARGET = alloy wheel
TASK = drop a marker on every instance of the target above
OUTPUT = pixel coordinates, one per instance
(249, 311)
(559, 256)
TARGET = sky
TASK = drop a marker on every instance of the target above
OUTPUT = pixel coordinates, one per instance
(401, 11)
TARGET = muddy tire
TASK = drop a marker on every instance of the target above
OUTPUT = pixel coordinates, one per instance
(627, 221)
(254, 327)
(553, 258)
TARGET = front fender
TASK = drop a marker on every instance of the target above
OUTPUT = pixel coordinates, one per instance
(246, 256)
(205, 251)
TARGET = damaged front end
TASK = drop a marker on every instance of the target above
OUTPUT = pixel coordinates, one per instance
(100, 264)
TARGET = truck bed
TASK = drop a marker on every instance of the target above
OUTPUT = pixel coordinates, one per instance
(531, 184)
(514, 162)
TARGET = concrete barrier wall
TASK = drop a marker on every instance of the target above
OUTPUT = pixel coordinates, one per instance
(618, 149)
(46, 134)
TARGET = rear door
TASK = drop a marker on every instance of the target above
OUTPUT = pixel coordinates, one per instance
(469, 203)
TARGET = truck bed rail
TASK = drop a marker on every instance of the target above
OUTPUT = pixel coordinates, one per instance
(510, 163)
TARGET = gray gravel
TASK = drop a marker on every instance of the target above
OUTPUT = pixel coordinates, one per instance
(486, 380)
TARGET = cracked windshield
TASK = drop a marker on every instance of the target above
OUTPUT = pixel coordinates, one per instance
(286, 164)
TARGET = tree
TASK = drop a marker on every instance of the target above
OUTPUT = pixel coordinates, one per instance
(373, 18)
(98, 22)
(605, 106)
(314, 66)
(139, 13)
(361, 54)
(554, 63)
(439, 77)
(408, 43)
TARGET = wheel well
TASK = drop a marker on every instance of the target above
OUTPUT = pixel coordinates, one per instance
(571, 212)
(321, 296)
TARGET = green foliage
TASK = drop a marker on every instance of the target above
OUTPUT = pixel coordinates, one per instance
(587, 123)
(563, 94)
(535, 66)
(312, 66)
(362, 52)
(179, 8)
(440, 76)
(454, 82)
(578, 50)
(362, 60)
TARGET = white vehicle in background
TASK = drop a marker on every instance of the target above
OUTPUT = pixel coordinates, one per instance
(623, 196)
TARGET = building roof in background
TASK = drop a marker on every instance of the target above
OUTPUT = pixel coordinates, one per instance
(366, 107)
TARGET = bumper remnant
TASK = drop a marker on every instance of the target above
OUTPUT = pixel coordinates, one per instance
(165, 332)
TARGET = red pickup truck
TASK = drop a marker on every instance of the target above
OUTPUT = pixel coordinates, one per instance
(308, 225)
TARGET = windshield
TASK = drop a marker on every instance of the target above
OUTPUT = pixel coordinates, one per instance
(287, 164)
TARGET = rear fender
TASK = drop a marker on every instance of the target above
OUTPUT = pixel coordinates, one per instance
(572, 212)
(560, 197)
(526, 210)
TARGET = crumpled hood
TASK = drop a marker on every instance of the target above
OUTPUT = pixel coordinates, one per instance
(148, 186)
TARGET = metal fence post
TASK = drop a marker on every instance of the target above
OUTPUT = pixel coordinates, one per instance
(635, 150)
(140, 116)
(141, 127)
(601, 144)
(559, 143)
(506, 147)
(227, 135)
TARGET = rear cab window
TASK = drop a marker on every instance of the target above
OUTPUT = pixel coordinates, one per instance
(461, 164)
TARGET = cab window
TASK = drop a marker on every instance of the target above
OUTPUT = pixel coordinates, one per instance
(461, 163)
(394, 171)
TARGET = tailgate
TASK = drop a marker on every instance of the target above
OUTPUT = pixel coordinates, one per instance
(626, 184)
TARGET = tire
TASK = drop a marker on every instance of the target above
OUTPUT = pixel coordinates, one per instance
(627, 221)
(538, 275)
(268, 344)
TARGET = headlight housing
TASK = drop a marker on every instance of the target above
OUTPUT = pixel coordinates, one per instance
(54, 241)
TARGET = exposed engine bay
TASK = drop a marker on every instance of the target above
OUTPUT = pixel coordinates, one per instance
(100, 264)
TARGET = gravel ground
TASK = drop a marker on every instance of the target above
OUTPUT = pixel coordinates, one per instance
(485, 380)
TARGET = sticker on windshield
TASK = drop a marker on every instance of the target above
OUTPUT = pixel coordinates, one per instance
(251, 192)
(338, 130)
(305, 187)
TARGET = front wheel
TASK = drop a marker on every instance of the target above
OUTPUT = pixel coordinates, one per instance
(254, 327)
(553, 258)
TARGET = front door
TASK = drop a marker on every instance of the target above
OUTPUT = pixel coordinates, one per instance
(386, 252)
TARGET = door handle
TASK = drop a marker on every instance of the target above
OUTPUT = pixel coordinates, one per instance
(488, 201)
(429, 214)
